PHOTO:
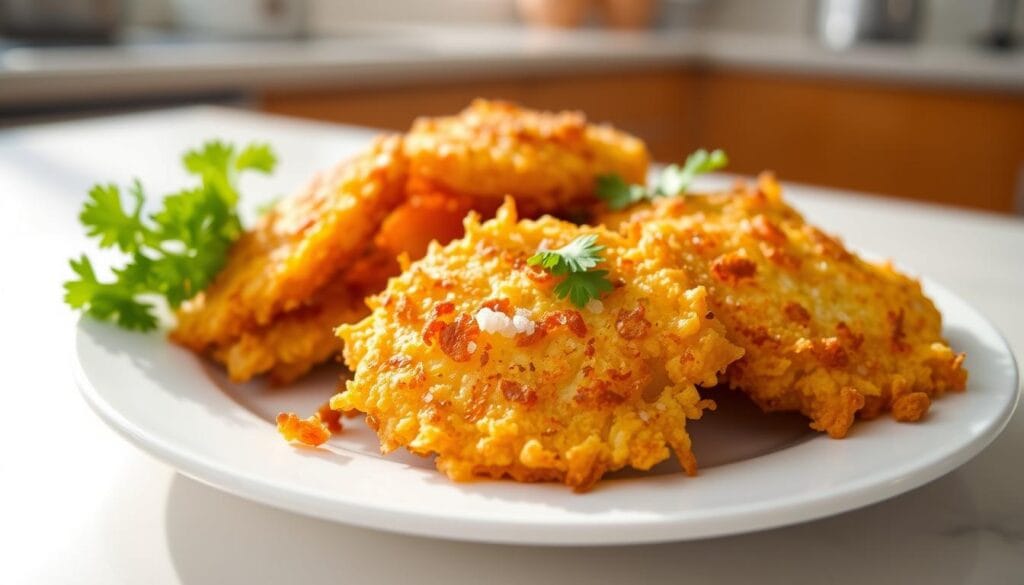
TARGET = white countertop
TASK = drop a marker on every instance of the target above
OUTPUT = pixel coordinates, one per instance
(80, 505)
(395, 56)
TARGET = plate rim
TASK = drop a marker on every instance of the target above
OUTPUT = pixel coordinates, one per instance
(465, 528)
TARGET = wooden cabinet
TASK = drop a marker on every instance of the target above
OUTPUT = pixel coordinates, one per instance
(652, 104)
(959, 147)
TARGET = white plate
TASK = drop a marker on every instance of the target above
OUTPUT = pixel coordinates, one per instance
(757, 471)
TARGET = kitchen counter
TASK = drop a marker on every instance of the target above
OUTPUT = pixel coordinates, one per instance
(82, 505)
(394, 56)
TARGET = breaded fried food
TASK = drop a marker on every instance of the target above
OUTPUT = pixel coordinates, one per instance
(294, 342)
(427, 216)
(825, 332)
(470, 356)
(547, 161)
(297, 248)
(283, 289)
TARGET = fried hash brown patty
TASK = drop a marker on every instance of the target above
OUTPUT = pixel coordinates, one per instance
(547, 161)
(296, 248)
(469, 355)
(274, 305)
(294, 342)
(286, 284)
(825, 332)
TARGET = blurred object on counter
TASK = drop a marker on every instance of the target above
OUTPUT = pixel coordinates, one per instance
(553, 13)
(627, 14)
(840, 24)
(64, 21)
(243, 18)
(617, 14)
(1000, 34)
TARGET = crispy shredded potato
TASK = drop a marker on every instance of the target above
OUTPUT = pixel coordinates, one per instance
(468, 355)
(297, 248)
(825, 332)
(573, 394)
(547, 161)
(273, 307)
(296, 341)
(311, 431)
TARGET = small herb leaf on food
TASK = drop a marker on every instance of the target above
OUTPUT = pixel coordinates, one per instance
(673, 181)
(581, 287)
(617, 193)
(574, 261)
(173, 253)
(579, 255)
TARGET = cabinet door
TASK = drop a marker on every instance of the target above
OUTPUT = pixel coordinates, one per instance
(654, 105)
(960, 147)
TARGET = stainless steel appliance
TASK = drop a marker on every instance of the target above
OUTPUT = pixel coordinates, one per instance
(842, 23)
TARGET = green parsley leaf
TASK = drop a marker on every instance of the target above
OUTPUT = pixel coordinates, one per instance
(574, 261)
(214, 157)
(173, 253)
(671, 182)
(258, 157)
(674, 180)
(78, 292)
(107, 301)
(617, 193)
(581, 287)
(579, 255)
(104, 216)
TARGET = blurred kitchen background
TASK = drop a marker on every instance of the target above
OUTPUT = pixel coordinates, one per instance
(914, 99)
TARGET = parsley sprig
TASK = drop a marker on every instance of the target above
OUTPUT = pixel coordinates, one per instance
(575, 262)
(173, 253)
(674, 180)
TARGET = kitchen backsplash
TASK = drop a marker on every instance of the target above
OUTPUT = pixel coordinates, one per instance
(945, 21)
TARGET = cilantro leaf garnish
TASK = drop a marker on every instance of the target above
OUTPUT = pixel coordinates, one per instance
(579, 255)
(107, 301)
(574, 262)
(105, 217)
(173, 253)
(671, 182)
(258, 157)
(617, 193)
(581, 287)
(674, 180)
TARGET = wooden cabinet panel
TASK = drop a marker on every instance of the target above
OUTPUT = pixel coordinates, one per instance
(958, 147)
(651, 104)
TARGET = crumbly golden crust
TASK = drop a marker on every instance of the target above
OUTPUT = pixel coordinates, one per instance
(295, 341)
(272, 307)
(297, 248)
(312, 431)
(569, 396)
(825, 332)
(547, 161)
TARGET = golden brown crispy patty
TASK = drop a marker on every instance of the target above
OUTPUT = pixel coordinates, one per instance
(547, 161)
(825, 332)
(469, 355)
(297, 248)
(270, 308)
(295, 341)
